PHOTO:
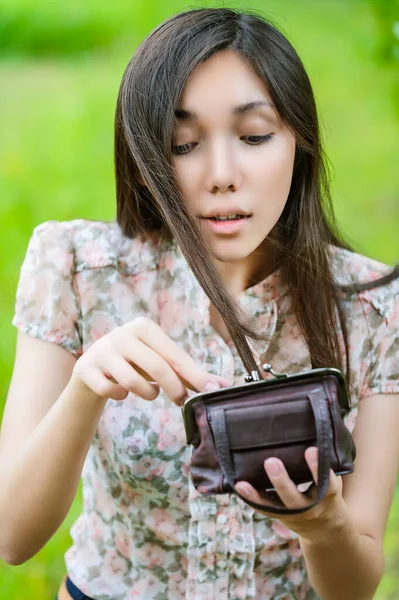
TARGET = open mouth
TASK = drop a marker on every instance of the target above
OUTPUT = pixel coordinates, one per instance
(225, 219)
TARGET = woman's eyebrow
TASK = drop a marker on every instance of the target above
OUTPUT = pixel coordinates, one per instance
(182, 114)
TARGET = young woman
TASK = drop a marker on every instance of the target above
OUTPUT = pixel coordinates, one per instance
(224, 234)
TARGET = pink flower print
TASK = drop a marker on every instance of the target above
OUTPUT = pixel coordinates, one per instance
(86, 555)
(123, 540)
(193, 493)
(147, 465)
(169, 419)
(208, 529)
(168, 261)
(163, 524)
(282, 531)
(87, 292)
(169, 443)
(115, 418)
(394, 315)
(43, 294)
(176, 589)
(222, 588)
(294, 574)
(186, 468)
(114, 564)
(141, 284)
(106, 440)
(100, 325)
(391, 387)
(265, 588)
(137, 443)
(207, 560)
(151, 556)
(263, 321)
(121, 296)
(103, 501)
(240, 591)
(178, 496)
(198, 315)
(60, 257)
(350, 419)
(172, 437)
(147, 588)
(184, 562)
(137, 497)
(356, 341)
(294, 550)
(162, 418)
(172, 312)
(98, 529)
(92, 253)
(233, 526)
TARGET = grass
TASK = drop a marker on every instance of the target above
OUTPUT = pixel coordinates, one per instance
(56, 119)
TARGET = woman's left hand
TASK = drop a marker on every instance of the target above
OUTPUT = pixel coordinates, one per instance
(313, 524)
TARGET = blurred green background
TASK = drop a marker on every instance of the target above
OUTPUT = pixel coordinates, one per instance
(60, 68)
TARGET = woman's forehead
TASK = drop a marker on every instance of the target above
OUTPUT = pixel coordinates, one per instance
(224, 81)
(223, 67)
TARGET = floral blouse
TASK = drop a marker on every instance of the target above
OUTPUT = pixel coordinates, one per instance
(145, 532)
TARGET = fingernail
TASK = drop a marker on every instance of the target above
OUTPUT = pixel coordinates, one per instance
(211, 386)
(313, 456)
(273, 466)
(244, 489)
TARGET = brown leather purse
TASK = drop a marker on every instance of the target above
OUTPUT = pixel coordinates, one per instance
(234, 430)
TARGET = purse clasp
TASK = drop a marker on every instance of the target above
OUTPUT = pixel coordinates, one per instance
(268, 368)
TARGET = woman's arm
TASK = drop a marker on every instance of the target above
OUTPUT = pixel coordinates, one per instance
(43, 445)
(44, 440)
(348, 563)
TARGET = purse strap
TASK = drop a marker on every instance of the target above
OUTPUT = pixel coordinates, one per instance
(324, 436)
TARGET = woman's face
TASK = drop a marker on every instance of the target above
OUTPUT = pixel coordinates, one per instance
(220, 167)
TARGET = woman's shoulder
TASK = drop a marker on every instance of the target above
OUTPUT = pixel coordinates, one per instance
(93, 244)
(352, 268)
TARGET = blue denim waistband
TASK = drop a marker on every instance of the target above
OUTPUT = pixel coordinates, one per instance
(75, 592)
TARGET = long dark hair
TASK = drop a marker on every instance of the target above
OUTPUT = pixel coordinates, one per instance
(148, 199)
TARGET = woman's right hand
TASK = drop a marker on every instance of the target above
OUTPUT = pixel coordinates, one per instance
(131, 356)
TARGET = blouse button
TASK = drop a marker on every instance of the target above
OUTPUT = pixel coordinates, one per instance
(222, 564)
(222, 519)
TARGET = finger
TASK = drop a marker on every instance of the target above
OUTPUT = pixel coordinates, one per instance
(142, 364)
(260, 497)
(126, 376)
(284, 486)
(193, 377)
(101, 385)
(311, 457)
(311, 491)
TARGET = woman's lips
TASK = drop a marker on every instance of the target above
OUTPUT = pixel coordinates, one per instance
(230, 226)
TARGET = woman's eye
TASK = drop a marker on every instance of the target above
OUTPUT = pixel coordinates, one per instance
(253, 140)
(258, 139)
(183, 149)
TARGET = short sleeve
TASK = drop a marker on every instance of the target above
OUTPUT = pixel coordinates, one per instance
(46, 304)
(383, 375)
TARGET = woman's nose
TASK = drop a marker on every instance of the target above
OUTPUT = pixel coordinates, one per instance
(222, 168)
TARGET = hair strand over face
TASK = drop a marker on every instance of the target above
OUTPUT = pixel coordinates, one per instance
(150, 204)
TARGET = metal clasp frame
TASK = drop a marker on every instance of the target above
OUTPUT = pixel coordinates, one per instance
(266, 367)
